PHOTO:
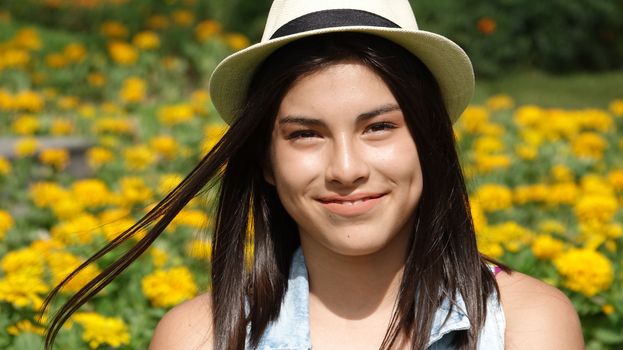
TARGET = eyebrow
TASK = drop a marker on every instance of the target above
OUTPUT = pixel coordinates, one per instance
(306, 121)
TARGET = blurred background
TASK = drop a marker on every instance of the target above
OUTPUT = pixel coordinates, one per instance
(104, 109)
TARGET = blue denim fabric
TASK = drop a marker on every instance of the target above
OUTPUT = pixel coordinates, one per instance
(291, 330)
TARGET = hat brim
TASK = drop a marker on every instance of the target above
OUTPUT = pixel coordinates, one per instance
(446, 60)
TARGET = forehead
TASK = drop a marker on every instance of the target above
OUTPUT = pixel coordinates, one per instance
(347, 88)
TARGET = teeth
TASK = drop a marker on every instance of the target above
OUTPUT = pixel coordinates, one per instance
(350, 202)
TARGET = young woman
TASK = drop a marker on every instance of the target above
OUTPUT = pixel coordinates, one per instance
(341, 161)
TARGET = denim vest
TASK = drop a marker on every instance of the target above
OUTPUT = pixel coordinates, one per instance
(291, 329)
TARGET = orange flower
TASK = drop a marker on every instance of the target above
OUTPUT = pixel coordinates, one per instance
(486, 25)
(122, 52)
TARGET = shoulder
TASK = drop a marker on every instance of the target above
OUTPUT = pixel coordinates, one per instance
(187, 326)
(538, 316)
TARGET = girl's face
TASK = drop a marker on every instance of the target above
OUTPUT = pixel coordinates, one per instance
(344, 163)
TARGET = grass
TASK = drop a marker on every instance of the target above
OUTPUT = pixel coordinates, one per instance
(575, 90)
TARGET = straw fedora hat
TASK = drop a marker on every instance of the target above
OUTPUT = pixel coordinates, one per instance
(290, 20)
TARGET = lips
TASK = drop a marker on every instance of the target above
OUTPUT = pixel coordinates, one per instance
(353, 205)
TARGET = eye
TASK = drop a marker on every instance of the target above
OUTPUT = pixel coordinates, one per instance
(379, 127)
(302, 134)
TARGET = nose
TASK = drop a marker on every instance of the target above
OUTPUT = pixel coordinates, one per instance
(347, 163)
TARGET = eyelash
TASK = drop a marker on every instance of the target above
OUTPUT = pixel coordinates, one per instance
(376, 127)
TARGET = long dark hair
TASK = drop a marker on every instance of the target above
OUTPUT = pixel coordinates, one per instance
(442, 259)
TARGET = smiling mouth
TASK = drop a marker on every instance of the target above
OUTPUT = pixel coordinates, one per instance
(349, 207)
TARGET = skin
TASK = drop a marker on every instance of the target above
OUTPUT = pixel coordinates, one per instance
(339, 137)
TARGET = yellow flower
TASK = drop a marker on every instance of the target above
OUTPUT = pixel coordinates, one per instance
(615, 177)
(26, 147)
(545, 247)
(29, 101)
(23, 261)
(530, 193)
(101, 330)
(146, 40)
(25, 326)
(138, 157)
(98, 156)
(510, 234)
(595, 119)
(56, 60)
(213, 133)
(114, 29)
(166, 146)
(134, 191)
(527, 152)
(236, 41)
(67, 208)
(474, 119)
(200, 100)
(55, 157)
(529, 116)
(608, 309)
(206, 30)
(75, 52)
(25, 125)
(46, 194)
(166, 288)
(14, 58)
(486, 163)
(589, 145)
(585, 271)
(63, 263)
(561, 173)
(87, 110)
(168, 182)
(68, 102)
(497, 102)
(133, 90)
(199, 249)
(96, 79)
(488, 145)
(494, 197)
(616, 107)
(115, 221)
(175, 114)
(113, 126)
(596, 207)
(76, 230)
(157, 22)
(27, 38)
(158, 256)
(61, 127)
(23, 290)
(122, 53)
(6, 222)
(92, 193)
(5, 166)
(192, 218)
(183, 17)
(552, 226)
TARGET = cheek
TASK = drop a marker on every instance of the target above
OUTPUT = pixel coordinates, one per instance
(293, 171)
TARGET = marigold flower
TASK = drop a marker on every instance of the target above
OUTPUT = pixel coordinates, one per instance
(589, 145)
(562, 193)
(166, 288)
(200, 100)
(585, 271)
(122, 53)
(23, 261)
(616, 107)
(138, 157)
(158, 256)
(75, 52)
(63, 263)
(168, 182)
(25, 125)
(608, 309)
(146, 40)
(206, 30)
(528, 116)
(545, 247)
(99, 330)
(28, 100)
(236, 41)
(199, 249)
(113, 126)
(133, 90)
(562, 173)
(76, 230)
(530, 193)
(595, 119)
(27, 38)
(55, 157)
(96, 79)
(92, 193)
(61, 126)
(5, 166)
(98, 156)
(26, 147)
(25, 326)
(473, 119)
(158, 22)
(114, 29)
(500, 101)
(165, 145)
(175, 114)
(596, 207)
(494, 197)
(23, 290)
(183, 17)
(67, 208)
(615, 177)
(46, 194)
(6, 223)
(14, 58)
(486, 163)
(486, 25)
(134, 191)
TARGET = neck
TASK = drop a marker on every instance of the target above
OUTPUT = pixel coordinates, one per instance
(355, 287)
